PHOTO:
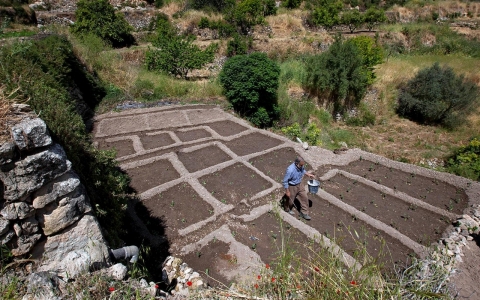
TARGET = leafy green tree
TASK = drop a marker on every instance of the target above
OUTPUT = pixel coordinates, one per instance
(371, 52)
(248, 13)
(250, 83)
(337, 75)
(98, 17)
(352, 18)
(437, 95)
(176, 54)
(373, 17)
(327, 13)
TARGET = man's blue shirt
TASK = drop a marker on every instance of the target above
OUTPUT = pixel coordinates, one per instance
(293, 175)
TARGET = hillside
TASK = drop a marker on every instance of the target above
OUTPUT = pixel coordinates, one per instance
(84, 77)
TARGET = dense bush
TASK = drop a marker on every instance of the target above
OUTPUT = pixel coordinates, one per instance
(238, 45)
(466, 160)
(176, 54)
(58, 73)
(98, 17)
(292, 3)
(338, 75)
(215, 5)
(371, 52)
(437, 95)
(248, 13)
(250, 84)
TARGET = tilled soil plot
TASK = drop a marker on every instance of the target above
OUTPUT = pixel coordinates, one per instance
(211, 185)
(404, 217)
(430, 190)
(234, 183)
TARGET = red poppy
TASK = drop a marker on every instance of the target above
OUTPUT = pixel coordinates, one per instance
(259, 277)
(111, 289)
(273, 279)
(156, 286)
(189, 283)
(317, 269)
(256, 286)
(298, 286)
(353, 282)
(267, 266)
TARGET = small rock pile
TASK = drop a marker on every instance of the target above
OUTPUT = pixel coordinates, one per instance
(176, 271)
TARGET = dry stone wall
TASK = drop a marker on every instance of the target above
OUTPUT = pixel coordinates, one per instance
(44, 211)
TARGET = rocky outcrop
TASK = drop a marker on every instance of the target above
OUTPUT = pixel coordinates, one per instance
(44, 200)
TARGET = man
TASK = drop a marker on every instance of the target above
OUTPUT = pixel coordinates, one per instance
(293, 188)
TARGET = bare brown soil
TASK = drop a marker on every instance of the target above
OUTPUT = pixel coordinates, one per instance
(226, 128)
(275, 163)
(122, 148)
(151, 175)
(156, 141)
(210, 260)
(192, 135)
(440, 194)
(234, 183)
(404, 217)
(252, 143)
(203, 158)
(177, 207)
(351, 234)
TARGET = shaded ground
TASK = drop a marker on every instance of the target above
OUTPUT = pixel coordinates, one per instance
(210, 184)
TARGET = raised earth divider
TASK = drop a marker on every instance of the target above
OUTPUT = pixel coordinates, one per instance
(225, 179)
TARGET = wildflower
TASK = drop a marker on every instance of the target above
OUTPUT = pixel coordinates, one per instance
(259, 277)
(189, 283)
(267, 266)
(156, 286)
(256, 285)
(298, 286)
(317, 269)
(338, 292)
(353, 282)
(273, 279)
(111, 289)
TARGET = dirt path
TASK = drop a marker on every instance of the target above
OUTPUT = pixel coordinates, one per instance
(208, 182)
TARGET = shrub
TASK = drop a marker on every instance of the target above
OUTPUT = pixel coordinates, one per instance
(292, 3)
(466, 160)
(176, 54)
(62, 88)
(364, 117)
(248, 13)
(237, 46)
(215, 5)
(371, 53)
(250, 82)
(337, 75)
(436, 95)
(292, 131)
(98, 17)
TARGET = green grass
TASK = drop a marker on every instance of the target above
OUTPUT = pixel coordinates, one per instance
(11, 34)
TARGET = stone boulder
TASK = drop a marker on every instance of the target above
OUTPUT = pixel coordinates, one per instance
(58, 216)
(33, 172)
(30, 134)
(7, 153)
(77, 249)
(55, 189)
